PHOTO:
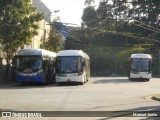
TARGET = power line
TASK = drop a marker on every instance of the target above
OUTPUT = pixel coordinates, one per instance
(146, 28)
(135, 37)
(147, 25)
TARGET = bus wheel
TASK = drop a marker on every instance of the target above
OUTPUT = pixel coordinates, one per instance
(44, 83)
(81, 83)
(54, 78)
(45, 80)
(85, 80)
(147, 80)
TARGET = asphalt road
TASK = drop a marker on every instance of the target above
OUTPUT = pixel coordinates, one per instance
(99, 94)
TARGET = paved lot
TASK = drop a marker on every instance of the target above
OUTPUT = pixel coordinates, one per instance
(99, 94)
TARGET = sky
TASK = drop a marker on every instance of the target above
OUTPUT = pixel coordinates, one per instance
(70, 11)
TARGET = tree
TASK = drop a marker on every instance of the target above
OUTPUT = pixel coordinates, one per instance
(106, 18)
(118, 12)
(146, 11)
(88, 2)
(146, 16)
(18, 24)
(54, 42)
(89, 16)
(136, 20)
(78, 40)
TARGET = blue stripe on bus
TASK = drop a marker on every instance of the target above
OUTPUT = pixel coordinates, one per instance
(37, 78)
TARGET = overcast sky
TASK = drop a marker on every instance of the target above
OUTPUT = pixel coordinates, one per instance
(70, 10)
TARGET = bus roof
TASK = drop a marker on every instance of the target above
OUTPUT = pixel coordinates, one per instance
(141, 56)
(73, 53)
(28, 52)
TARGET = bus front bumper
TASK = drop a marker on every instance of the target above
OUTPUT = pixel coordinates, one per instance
(70, 78)
(37, 78)
(141, 75)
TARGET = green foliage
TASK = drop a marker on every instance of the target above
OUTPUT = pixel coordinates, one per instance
(115, 15)
(73, 43)
(18, 24)
(146, 11)
(89, 16)
(88, 2)
(105, 61)
(54, 42)
(114, 28)
(78, 40)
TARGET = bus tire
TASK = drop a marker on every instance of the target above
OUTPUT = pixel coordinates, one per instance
(44, 83)
(81, 83)
(54, 79)
(45, 80)
(85, 80)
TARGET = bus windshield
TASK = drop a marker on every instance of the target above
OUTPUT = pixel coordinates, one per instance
(140, 65)
(68, 64)
(28, 63)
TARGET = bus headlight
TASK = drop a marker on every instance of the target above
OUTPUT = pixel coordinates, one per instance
(18, 73)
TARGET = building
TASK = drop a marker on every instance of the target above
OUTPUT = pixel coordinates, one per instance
(62, 29)
(44, 24)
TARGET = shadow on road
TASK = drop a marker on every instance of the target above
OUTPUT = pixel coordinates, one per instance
(142, 112)
(116, 81)
(36, 85)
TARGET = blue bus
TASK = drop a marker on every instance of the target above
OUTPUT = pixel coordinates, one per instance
(34, 65)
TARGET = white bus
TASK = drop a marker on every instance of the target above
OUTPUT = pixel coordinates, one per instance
(34, 65)
(140, 67)
(72, 66)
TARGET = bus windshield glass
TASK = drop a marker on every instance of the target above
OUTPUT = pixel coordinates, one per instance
(140, 65)
(68, 64)
(28, 63)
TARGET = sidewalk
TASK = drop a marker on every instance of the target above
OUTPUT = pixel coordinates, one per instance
(7, 84)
